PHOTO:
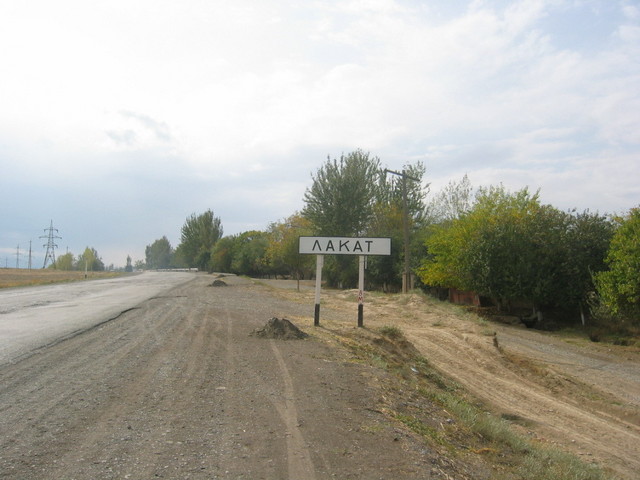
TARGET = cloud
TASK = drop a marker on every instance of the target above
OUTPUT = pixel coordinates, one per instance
(132, 116)
(136, 130)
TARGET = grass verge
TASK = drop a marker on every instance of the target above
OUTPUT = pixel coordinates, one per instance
(442, 413)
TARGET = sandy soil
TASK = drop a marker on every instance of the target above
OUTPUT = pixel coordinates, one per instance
(178, 388)
(581, 396)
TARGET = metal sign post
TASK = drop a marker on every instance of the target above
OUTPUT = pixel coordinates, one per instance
(321, 246)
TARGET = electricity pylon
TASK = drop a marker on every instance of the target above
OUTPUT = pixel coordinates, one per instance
(51, 245)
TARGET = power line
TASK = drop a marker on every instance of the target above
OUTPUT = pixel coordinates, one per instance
(51, 245)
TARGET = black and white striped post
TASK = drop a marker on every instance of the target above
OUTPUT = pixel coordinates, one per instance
(361, 263)
(316, 313)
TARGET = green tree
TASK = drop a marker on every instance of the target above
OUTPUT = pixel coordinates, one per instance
(393, 186)
(199, 235)
(64, 262)
(342, 196)
(507, 247)
(282, 251)
(129, 267)
(90, 260)
(453, 201)
(619, 287)
(159, 254)
(340, 202)
(389, 221)
(587, 243)
(249, 254)
(222, 254)
(385, 272)
(347, 198)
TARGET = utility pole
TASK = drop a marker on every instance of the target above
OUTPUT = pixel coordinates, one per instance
(406, 275)
(51, 245)
(18, 256)
(29, 254)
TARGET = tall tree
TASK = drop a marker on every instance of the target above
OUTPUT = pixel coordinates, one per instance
(282, 251)
(455, 199)
(159, 254)
(90, 260)
(129, 267)
(249, 254)
(351, 196)
(198, 237)
(587, 243)
(64, 262)
(222, 254)
(402, 193)
(395, 188)
(507, 247)
(619, 287)
(343, 194)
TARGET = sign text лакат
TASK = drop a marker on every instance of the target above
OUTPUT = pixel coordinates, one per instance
(345, 246)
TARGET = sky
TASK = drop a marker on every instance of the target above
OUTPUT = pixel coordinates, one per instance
(120, 119)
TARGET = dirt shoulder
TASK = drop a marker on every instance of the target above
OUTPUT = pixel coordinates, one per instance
(566, 393)
(178, 388)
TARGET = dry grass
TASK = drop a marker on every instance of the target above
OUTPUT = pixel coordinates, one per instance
(22, 277)
(425, 392)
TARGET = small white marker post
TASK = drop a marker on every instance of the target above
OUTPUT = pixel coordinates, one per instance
(319, 264)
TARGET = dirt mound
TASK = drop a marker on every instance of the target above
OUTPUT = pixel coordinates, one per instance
(279, 328)
(218, 283)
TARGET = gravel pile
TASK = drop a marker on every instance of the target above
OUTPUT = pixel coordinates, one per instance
(279, 328)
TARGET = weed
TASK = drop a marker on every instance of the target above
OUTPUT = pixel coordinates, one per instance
(394, 333)
(422, 429)
(495, 434)
(547, 463)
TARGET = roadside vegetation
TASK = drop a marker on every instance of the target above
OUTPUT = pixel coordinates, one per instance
(441, 412)
(552, 268)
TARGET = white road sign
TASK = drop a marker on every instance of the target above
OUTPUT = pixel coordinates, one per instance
(345, 246)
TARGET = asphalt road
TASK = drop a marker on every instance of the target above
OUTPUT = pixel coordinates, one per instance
(33, 317)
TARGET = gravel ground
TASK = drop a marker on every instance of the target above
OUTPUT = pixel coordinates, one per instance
(177, 388)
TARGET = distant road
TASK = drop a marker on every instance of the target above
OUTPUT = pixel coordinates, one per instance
(33, 317)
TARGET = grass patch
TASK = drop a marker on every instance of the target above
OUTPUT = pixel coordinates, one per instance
(393, 333)
(547, 463)
(422, 429)
(439, 411)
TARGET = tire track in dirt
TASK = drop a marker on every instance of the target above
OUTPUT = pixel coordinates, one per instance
(277, 391)
(583, 432)
(76, 379)
(298, 455)
(580, 400)
(178, 389)
(464, 350)
(108, 436)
